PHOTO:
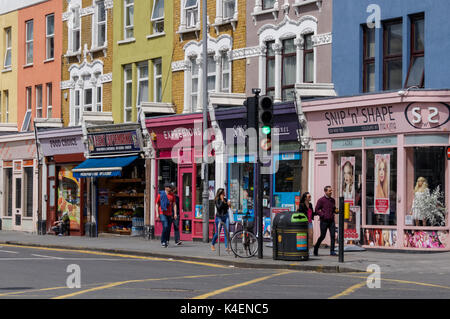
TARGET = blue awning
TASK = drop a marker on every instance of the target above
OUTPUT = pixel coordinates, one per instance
(103, 167)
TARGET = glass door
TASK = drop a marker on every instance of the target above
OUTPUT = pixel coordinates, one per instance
(186, 200)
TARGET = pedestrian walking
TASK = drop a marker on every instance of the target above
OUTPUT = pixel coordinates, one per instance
(326, 208)
(222, 205)
(176, 216)
(306, 208)
(165, 202)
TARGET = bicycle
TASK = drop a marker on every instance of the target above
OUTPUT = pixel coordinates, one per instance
(244, 243)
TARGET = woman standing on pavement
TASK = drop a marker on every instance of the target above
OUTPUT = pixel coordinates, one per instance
(222, 205)
(307, 208)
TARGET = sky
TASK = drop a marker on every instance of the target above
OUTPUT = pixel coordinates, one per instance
(11, 5)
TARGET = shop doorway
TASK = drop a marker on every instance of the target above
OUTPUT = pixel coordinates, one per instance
(185, 190)
(17, 195)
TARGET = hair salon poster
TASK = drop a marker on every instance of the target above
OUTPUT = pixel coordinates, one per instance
(348, 179)
(382, 183)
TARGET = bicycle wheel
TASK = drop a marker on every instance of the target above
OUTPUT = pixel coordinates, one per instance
(244, 244)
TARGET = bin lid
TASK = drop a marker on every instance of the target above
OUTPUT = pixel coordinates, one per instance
(285, 219)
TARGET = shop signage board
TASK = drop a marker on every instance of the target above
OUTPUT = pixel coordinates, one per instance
(62, 145)
(120, 142)
(381, 119)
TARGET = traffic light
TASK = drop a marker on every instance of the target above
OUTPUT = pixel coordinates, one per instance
(265, 121)
(251, 105)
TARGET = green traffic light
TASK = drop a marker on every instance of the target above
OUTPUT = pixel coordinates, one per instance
(266, 130)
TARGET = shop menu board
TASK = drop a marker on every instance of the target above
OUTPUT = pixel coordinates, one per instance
(69, 196)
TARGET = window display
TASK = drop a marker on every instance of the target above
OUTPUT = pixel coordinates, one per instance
(349, 173)
(211, 191)
(241, 186)
(69, 196)
(381, 187)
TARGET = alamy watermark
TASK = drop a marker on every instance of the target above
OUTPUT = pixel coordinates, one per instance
(374, 280)
(74, 279)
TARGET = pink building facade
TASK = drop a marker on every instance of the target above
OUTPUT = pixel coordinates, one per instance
(383, 154)
(39, 62)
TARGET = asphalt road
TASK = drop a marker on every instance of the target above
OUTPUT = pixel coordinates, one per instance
(44, 273)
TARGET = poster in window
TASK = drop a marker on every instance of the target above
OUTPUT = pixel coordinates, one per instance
(348, 179)
(382, 186)
(69, 196)
(352, 225)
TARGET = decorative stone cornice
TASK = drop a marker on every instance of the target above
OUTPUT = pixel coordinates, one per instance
(245, 53)
(178, 66)
(322, 39)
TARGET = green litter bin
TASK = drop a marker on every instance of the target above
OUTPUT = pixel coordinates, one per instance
(290, 236)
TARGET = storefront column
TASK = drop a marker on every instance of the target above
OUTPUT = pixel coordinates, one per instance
(401, 189)
(221, 165)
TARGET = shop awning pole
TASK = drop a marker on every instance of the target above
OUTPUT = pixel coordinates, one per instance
(205, 202)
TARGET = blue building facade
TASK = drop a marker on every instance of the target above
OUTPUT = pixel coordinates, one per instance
(379, 59)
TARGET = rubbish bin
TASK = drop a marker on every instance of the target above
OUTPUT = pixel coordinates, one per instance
(290, 236)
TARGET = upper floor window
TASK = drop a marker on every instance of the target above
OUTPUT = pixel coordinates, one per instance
(129, 19)
(50, 36)
(393, 55)
(191, 13)
(288, 71)
(308, 59)
(416, 72)
(29, 42)
(229, 7)
(368, 59)
(158, 16)
(142, 83)
(268, 4)
(8, 48)
(75, 30)
(270, 69)
(128, 93)
(194, 83)
(39, 101)
(49, 100)
(226, 73)
(27, 117)
(100, 24)
(157, 80)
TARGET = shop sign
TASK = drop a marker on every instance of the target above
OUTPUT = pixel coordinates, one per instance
(427, 116)
(114, 142)
(62, 145)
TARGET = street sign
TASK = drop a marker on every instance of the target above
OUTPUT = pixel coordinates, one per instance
(266, 144)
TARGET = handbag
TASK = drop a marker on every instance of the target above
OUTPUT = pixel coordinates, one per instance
(231, 216)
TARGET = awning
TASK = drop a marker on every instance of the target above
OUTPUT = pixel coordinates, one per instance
(103, 167)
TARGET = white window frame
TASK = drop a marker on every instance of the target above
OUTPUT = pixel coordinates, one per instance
(189, 12)
(49, 38)
(49, 89)
(128, 4)
(157, 79)
(8, 48)
(194, 76)
(76, 107)
(224, 2)
(6, 97)
(27, 118)
(141, 79)
(86, 106)
(212, 71)
(98, 25)
(29, 42)
(99, 99)
(128, 108)
(157, 22)
(75, 30)
(39, 100)
(225, 59)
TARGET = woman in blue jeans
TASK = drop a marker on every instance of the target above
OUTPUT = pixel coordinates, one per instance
(222, 205)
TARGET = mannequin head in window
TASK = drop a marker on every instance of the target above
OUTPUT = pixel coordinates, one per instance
(421, 185)
(382, 187)
(347, 180)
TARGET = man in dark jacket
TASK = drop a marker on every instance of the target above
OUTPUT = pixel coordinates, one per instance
(326, 208)
(176, 217)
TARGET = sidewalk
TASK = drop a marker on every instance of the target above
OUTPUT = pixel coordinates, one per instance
(201, 252)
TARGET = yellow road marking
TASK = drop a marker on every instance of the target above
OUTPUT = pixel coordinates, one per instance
(168, 259)
(350, 290)
(115, 284)
(405, 282)
(29, 291)
(220, 291)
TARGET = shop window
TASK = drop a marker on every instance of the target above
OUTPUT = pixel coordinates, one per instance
(69, 195)
(241, 186)
(167, 172)
(28, 173)
(427, 166)
(286, 178)
(349, 177)
(381, 187)
(8, 189)
(211, 189)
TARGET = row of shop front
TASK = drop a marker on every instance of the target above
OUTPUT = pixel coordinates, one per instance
(106, 177)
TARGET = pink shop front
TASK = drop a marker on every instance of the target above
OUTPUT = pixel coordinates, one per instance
(387, 156)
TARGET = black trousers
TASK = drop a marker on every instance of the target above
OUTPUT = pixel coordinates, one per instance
(324, 226)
